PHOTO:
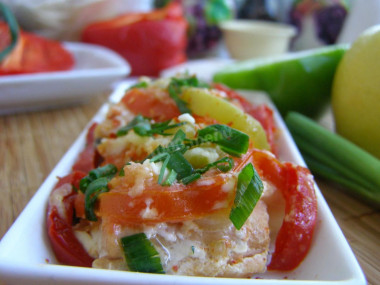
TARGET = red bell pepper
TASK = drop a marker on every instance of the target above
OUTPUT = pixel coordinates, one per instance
(32, 54)
(297, 187)
(68, 250)
(89, 158)
(150, 41)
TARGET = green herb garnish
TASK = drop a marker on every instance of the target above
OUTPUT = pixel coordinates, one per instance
(230, 140)
(175, 89)
(191, 178)
(107, 171)
(140, 254)
(143, 127)
(95, 183)
(93, 190)
(224, 164)
(141, 84)
(248, 192)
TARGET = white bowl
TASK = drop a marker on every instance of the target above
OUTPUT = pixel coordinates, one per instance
(95, 71)
(246, 39)
(26, 256)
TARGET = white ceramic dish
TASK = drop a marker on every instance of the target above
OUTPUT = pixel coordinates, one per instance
(96, 69)
(26, 257)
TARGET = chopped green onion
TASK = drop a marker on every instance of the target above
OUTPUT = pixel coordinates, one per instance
(333, 157)
(95, 183)
(182, 106)
(191, 178)
(139, 122)
(173, 161)
(141, 84)
(178, 138)
(171, 178)
(93, 190)
(163, 167)
(160, 156)
(248, 192)
(140, 254)
(160, 128)
(220, 164)
(175, 89)
(161, 151)
(180, 164)
(108, 170)
(143, 127)
(225, 164)
(230, 140)
(13, 29)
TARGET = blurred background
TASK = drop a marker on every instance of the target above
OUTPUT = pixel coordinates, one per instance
(317, 22)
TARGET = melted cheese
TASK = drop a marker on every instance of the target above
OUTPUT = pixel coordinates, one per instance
(56, 198)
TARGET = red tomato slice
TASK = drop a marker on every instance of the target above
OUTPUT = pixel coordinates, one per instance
(171, 204)
(150, 42)
(33, 54)
(158, 106)
(68, 250)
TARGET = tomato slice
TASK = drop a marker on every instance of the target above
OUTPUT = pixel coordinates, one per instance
(68, 250)
(165, 204)
(33, 54)
(152, 104)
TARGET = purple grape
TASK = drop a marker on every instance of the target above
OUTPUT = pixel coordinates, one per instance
(329, 21)
(202, 36)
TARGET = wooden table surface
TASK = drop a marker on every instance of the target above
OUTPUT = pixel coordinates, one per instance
(31, 144)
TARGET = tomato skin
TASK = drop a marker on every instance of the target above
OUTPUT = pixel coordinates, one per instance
(33, 54)
(67, 249)
(150, 42)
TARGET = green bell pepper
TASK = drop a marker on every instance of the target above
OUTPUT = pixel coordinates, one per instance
(299, 81)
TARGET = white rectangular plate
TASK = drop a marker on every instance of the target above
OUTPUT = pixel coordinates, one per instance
(26, 256)
(95, 70)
